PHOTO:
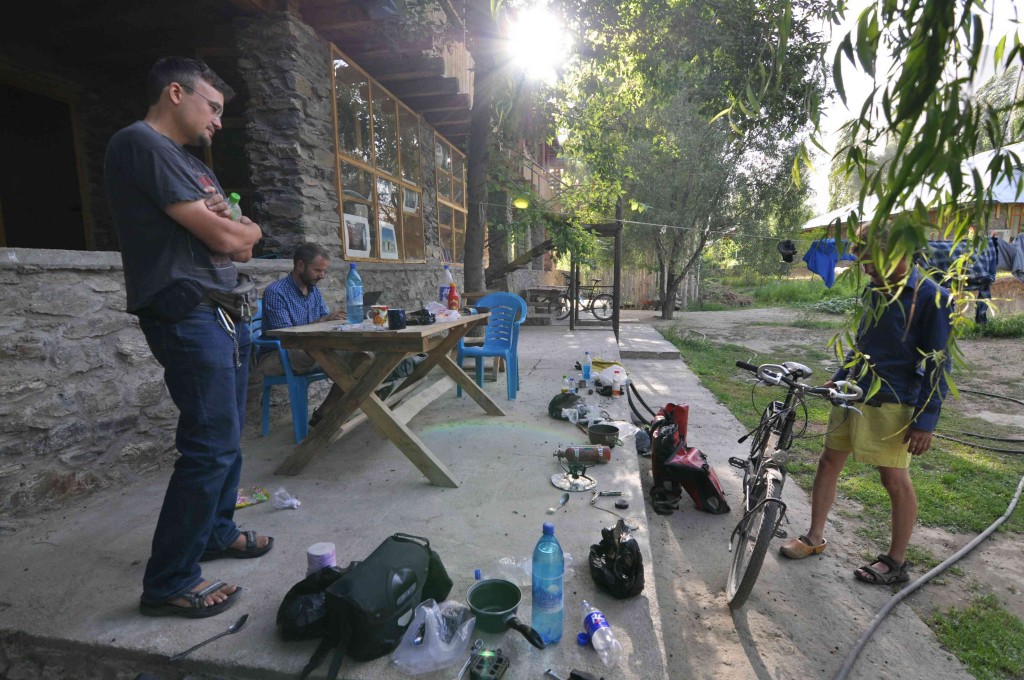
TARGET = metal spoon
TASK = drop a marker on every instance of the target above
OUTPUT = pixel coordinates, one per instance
(234, 628)
(561, 501)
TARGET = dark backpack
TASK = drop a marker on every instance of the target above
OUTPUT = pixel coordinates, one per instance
(676, 465)
(371, 604)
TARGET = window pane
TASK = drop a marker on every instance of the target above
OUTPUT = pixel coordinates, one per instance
(388, 206)
(444, 227)
(459, 179)
(352, 94)
(410, 140)
(412, 226)
(357, 235)
(385, 132)
(460, 237)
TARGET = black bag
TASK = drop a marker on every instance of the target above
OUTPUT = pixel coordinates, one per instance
(616, 564)
(303, 612)
(370, 606)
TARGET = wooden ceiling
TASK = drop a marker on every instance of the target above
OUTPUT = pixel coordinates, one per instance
(366, 31)
(123, 37)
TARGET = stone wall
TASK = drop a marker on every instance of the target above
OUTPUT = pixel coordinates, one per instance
(289, 124)
(82, 401)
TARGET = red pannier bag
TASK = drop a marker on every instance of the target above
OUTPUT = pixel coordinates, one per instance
(678, 466)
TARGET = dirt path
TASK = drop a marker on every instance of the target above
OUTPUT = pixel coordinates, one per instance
(786, 631)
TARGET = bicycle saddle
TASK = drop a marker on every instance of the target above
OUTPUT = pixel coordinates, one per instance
(797, 370)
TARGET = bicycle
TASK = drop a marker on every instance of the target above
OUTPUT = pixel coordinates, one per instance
(601, 305)
(764, 469)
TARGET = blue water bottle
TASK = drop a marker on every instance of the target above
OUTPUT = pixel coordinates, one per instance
(548, 606)
(354, 295)
(588, 364)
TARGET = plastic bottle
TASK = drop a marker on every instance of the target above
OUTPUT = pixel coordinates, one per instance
(572, 385)
(445, 287)
(453, 297)
(565, 384)
(354, 295)
(548, 612)
(601, 636)
(588, 365)
(616, 383)
(234, 208)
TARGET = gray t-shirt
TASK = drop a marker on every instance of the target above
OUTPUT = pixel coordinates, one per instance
(145, 173)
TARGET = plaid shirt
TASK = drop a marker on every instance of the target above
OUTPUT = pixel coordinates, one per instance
(285, 306)
(981, 267)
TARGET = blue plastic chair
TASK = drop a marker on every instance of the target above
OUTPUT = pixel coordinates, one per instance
(298, 384)
(508, 312)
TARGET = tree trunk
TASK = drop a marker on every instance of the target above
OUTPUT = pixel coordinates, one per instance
(481, 27)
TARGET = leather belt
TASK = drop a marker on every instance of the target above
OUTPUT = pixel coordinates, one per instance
(882, 398)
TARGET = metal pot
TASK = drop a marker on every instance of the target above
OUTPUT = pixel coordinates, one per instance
(602, 433)
(494, 602)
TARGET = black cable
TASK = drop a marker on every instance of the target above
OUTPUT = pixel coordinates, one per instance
(637, 393)
(985, 436)
(990, 394)
(979, 446)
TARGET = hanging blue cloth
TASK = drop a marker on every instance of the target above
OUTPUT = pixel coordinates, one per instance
(822, 256)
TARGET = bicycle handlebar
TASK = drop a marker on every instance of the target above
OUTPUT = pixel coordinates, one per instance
(774, 374)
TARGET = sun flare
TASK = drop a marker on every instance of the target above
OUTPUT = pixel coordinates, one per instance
(538, 42)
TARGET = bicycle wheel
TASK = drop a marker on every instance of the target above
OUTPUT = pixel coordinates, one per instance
(560, 306)
(602, 306)
(750, 544)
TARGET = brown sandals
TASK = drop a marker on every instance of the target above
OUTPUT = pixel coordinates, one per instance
(898, 573)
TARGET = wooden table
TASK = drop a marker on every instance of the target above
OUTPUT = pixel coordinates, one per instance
(389, 348)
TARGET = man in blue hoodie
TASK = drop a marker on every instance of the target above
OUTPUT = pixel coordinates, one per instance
(902, 341)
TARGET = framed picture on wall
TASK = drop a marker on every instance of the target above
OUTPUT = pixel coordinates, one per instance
(410, 200)
(388, 242)
(357, 236)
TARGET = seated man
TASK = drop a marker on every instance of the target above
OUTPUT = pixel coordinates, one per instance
(295, 300)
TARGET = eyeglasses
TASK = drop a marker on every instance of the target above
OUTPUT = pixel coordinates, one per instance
(215, 108)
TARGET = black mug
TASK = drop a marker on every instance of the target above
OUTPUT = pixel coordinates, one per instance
(396, 319)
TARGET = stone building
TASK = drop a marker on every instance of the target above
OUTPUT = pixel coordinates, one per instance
(349, 129)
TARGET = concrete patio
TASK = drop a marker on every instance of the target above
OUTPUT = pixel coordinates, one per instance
(71, 579)
(74, 576)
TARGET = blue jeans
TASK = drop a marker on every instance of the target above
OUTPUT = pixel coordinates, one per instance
(198, 357)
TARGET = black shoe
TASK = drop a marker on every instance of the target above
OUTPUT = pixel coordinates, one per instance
(315, 419)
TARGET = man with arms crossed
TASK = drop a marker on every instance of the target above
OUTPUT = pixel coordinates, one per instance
(177, 244)
(905, 344)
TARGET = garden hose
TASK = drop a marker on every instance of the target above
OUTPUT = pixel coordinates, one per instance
(847, 666)
(980, 446)
(990, 394)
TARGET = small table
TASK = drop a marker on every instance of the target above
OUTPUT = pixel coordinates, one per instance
(389, 348)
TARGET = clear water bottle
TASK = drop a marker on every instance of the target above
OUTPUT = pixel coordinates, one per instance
(354, 295)
(548, 567)
(601, 636)
(234, 208)
(588, 365)
(565, 384)
(446, 285)
(572, 385)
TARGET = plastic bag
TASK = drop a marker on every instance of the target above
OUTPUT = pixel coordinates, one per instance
(519, 570)
(437, 638)
(607, 376)
(283, 499)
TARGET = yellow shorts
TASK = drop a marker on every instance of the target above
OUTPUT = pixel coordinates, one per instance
(876, 435)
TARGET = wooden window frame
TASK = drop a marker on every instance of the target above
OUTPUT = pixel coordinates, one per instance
(456, 207)
(340, 156)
